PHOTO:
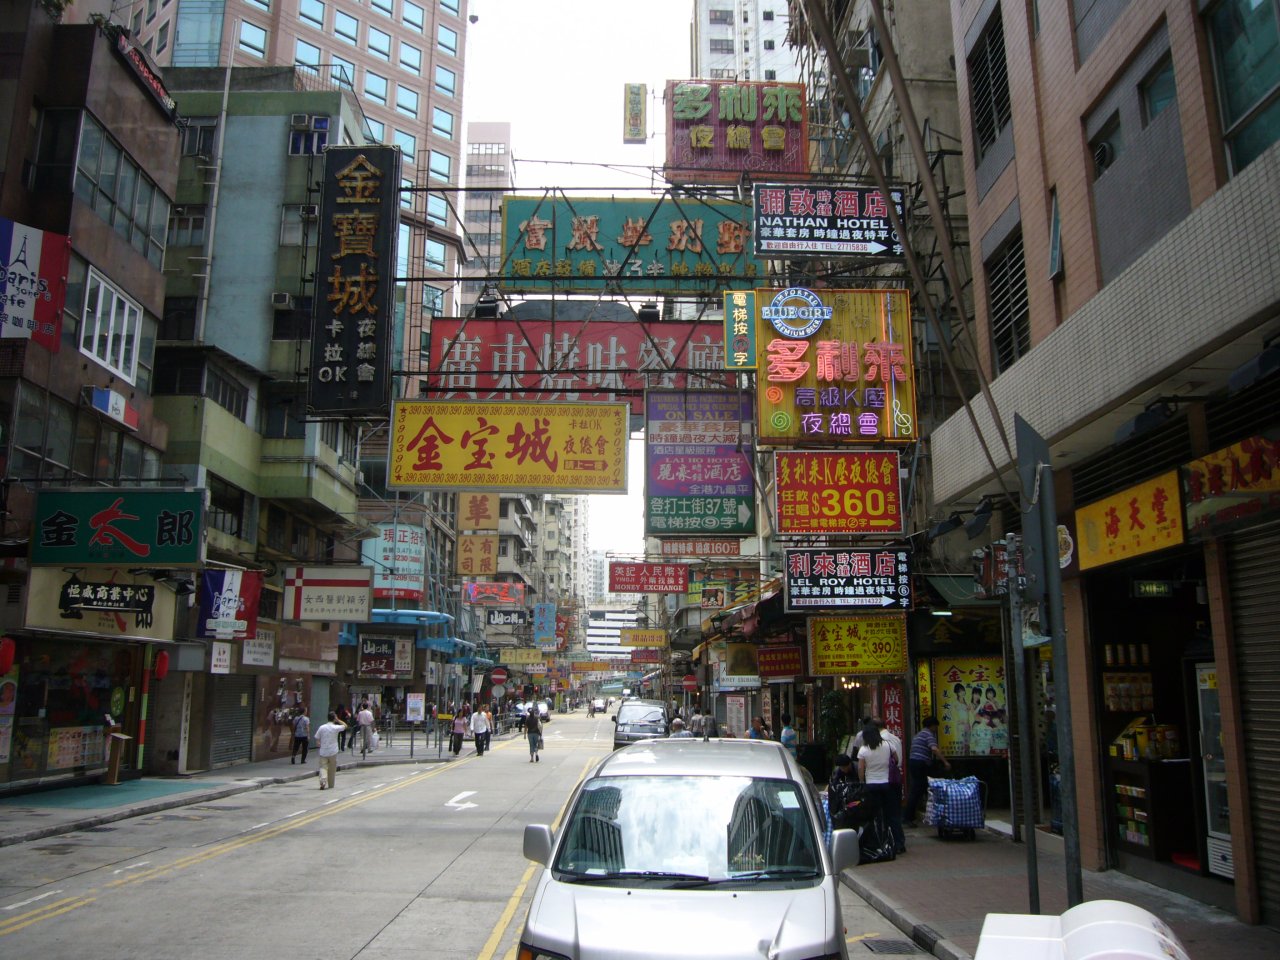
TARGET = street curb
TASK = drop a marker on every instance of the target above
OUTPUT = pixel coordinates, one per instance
(921, 934)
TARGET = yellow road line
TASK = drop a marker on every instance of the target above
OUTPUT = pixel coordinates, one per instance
(47, 912)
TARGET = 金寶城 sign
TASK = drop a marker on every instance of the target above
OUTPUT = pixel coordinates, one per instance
(835, 366)
(858, 646)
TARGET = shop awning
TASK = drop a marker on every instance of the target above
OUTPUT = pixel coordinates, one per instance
(956, 590)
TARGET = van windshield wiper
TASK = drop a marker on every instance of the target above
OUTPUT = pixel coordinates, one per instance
(573, 877)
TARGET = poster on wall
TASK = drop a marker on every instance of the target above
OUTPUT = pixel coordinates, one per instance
(969, 702)
(8, 702)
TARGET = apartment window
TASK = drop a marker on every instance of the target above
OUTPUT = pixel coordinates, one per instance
(406, 193)
(380, 43)
(375, 87)
(186, 227)
(119, 192)
(407, 101)
(1055, 237)
(1245, 38)
(226, 506)
(407, 143)
(435, 257)
(441, 165)
(285, 416)
(768, 44)
(446, 81)
(293, 220)
(227, 392)
(162, 38)
(385, 7)
(253, 39)
(198, 137)
(261, 4)
(307, 55)
(1007, 304)
(307, 143)
(989, 86)
(721, 16)
(437, 209)
(433, 300)
(110, 327)
(442, 123)
(377, 130)
(137, 22)
(342, 72)
(410, 58)
(449, 5)
(721, 45)
(346, 27)
(1158, 91)
(447, 40)
(771, 74)
(766, 15)
(312, 11)
(412, 15)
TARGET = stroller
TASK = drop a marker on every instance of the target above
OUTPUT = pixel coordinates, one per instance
(956, 807)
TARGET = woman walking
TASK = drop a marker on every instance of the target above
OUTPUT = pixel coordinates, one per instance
(533, 730)
(875, 757)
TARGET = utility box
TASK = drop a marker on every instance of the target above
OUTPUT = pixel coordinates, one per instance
(1097, 930)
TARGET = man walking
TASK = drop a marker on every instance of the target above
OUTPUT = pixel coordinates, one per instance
(327, 747)
(480, 728)
(364, 719)
(924, 749)
(301, 735)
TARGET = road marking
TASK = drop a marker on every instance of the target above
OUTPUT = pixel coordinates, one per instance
(38, 897)
(457, 803)
(133, 866)
(47, 912)
(861, 936)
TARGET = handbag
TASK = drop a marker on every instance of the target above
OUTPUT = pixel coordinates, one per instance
(540, 747)
(895, 768)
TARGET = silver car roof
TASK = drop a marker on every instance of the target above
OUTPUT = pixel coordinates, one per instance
(693, 756)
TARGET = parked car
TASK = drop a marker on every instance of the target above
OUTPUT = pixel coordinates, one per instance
(598, 704)
(721, 840)
(639, 720)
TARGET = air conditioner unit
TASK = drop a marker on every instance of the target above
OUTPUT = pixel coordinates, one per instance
(300, 121)
(281, 301)
(310, 211)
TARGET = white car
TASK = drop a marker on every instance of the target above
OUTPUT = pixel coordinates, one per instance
(598, 704)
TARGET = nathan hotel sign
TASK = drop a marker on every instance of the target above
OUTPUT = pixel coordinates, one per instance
(355, 281)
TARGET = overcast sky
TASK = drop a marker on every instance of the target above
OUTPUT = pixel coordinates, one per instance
(555, 70)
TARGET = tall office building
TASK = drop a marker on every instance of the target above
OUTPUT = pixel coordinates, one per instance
(742, 40)
(488, 176)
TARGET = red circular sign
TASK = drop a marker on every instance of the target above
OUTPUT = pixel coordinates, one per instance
(497, 675)
(690, 682)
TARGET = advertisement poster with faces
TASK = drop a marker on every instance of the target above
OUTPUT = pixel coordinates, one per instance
(969, 702)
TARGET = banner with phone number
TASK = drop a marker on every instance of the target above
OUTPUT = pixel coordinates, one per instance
(838, 491)
(872, 645)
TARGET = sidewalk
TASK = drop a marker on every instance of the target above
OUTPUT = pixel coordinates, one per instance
(940, 891)
(59, 810)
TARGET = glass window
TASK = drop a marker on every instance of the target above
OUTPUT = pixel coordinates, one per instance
(433, 300)
(446, 81)
(989, 86)
(447, 40)
(435, 255)
(408, 143)
(312, 11)
(186, 227)
(377, 130)
(1245, 37)
(380, 43)
(109, 327)
(387, 7)
(442, 123)
(412, 14)
(375, 87)
(410, 58)
(450, 5)
(342, 72)
(406, 193)
(437, 209)
(441, 165)
(346, 27)
(253, 39)
(262, 4)
(306, 55)
(1158, 91)
(198, 137)
(407, 101)
(721, 45)
(162, 38)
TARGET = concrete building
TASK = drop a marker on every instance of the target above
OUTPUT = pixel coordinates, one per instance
(1122, 175)
(489, 176)
(741, 40)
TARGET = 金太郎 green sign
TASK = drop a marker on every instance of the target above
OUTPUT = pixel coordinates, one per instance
(118, 527)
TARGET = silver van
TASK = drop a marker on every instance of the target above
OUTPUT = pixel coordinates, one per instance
(639, 720)
(690, 848)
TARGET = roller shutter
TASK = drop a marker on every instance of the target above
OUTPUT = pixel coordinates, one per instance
(232, 721)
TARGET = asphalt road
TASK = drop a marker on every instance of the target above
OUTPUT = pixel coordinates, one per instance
(396, 862)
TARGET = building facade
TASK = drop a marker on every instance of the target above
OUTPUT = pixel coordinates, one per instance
(741, 40)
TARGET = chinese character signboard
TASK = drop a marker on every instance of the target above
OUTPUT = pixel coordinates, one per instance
(717, 130)
(109, 601)
(734, 666)
(635, 113)
(858, 646)
(538, 360)
(740, 330)
(529, 447)
(153, 528)
(497, 593)
(836, 578)
(697, 468)
(328, 593)
(803, 219)
(1138, 520)
(33, 283)
(229, 604)
(973, 718)
(507, 618)
(477, 511)
(631, 637)
(384, 657)
(648, 577)
(835, 366)
(642, 246)
(355, 280)
(838, 492)
(544, 622)
(780, 661)
(398, 556)
(701, 547)
(1239, 483)
(643, 655)
(476, 554)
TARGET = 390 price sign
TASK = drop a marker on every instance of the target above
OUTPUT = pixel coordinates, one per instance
(839, 491)
(858, 646)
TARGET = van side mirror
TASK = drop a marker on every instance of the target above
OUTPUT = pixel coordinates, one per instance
(537, 843)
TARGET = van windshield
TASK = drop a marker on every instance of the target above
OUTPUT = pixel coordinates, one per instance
(689, 828)
(640, 713)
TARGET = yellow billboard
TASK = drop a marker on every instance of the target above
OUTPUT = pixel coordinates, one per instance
(858, 646)
(1135, 521)
(522, 656)
(642, 638)
(526, 447)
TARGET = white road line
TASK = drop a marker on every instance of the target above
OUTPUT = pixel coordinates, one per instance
(133, 866)
(23, 903)
(259, 826)
(295, 813)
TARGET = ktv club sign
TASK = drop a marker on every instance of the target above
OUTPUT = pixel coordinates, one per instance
(835, 366)
(718, 130)
(838, 491)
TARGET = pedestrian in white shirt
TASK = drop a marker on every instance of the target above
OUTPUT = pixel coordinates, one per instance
(327, 748)
(481, 727)
(364, 720)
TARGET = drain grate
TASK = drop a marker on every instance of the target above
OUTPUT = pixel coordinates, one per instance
(895, 947)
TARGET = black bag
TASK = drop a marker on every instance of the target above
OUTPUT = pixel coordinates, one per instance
(851, 806)
(876, 843)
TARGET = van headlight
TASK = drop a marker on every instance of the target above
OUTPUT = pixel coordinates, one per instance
(533, 953)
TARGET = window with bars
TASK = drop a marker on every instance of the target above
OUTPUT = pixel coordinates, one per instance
(989, 86)
(1010, 317)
